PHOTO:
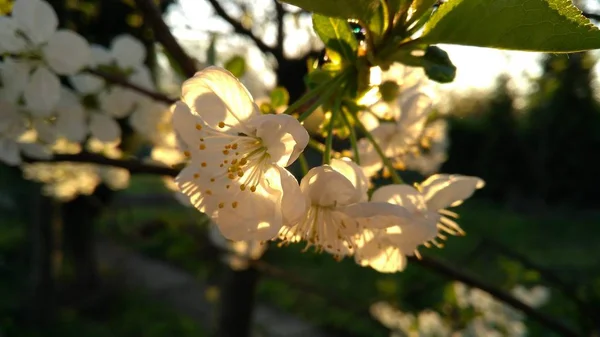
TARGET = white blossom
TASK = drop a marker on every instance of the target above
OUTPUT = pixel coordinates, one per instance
(237, 157)
(338, 208)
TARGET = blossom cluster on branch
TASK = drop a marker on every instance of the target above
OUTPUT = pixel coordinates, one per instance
(470, 313)
(236, 173)
(50, 103)
(235, 153)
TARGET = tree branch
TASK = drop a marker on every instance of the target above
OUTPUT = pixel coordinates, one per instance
(115, 79)
(163, 35)
(132, 165)
(240, 29)
(456, 274)
(438, 266)
(280, 11)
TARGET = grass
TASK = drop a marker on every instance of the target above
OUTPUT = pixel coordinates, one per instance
(559, 242)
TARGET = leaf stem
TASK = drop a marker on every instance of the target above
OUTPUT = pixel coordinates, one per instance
(386, 161)
(353, 141)
(329, 140)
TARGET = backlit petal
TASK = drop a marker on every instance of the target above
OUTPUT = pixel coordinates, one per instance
(217, 96)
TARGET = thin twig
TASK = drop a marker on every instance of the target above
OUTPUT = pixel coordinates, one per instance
(115, 79)
(569, 290)
(240, 29)
(163, 35)
(132, 165)
(441, 267)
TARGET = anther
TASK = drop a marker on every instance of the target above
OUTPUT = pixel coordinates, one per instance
(203, 164)
(221, 205)
(196, 176)
(234, 204)
(202, 146)
(253, 188)
(221, 124)
(198, 127)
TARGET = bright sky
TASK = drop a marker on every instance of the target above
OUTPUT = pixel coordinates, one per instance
(477, 67)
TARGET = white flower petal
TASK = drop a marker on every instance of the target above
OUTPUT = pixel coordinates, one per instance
(184, 124)
(442, 190)
(14, 76)
(293, 202)
(354, 174)
(100, 55)
(42, 93)
(87, 83)
(253, 215)
(104, 128)
(217, 96)
(142, 77)
(46, 132)
(326, 187)
(117, 101)
(10, 42)
(128, 51)
(378, 214)
(415, 108)
(67, 52)
(36, 18)
(402, 195)
(71, 121)
(283, 136)
(384, 259)
(35, 151)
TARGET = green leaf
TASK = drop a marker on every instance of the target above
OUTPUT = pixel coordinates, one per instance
(279, 97)
(236, 65)
(420, 8)
(211, 52)
(395, 5)
(435, 62)
(344, 9)
(378, 23)
(337, 35)
(535, 25)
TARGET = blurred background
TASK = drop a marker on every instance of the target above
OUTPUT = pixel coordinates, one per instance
(138, 264)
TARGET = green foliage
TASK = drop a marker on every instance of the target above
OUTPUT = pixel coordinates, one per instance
(435, 62)
(236, 65)
(535, 25)
(378, 23)
(420, 8)
(279, 97)
(211, 51)
(345, 9)
(337, 35)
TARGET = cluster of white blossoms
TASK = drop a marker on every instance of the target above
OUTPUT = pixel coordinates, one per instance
(484, 316)
(235, 155)
(236, 173)
(50, 104)
(398, 117)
